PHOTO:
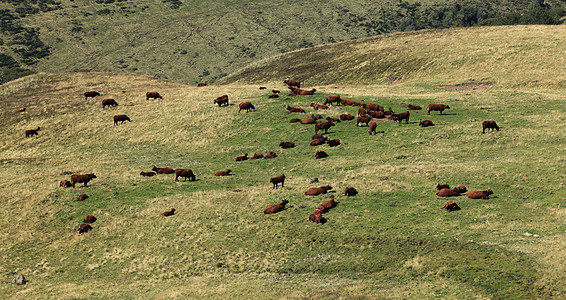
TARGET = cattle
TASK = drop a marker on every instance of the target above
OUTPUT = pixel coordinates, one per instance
(358, 104)
(448, 192)
(451, 206)
(350, 191)
(186, 173)
(247, 106)
(163, 170)
(109, 102)
(331, 119)
(320, 154)
(347, 102)
(442, 186)
(346, 117)
(318, 191)
(361, 112)
(400, 117)
(278, 179)
(426, 123)
(323, 126)
(376, 114)
(263, 88)
(372, 127)
(82, 197)
(222, 100)
(275, 208)
(333, 143)
(91, 94)
(147, 174)
(318, 142)
(32, 132)
(295, 121)
(414, 107)
(89, 219)
(82, 178)
(295, 109)
(275, 91)
(121, 119)
(333, 99)
(257, 156)
(327, 205)
(317, 106)
(490, 124)
(65, 184)
(286, 145)
(154, 95)
(168, 213)
(296, 83)
(273, 96)
(21, 110)
(201, 84)
(388, 112)
(462, 189)
(316, 217)
(479, 194)
(373, 107)
(84, 228)
(365, 120)
(437, 107)
(242, 157)
(302, 92)
(319, 136)
(223, 173)
(270, 154)
(310, 120)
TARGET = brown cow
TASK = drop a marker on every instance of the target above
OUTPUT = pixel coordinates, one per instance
(286, 145)
(82, 197)
(479, 194)
(201, 84)
(296, 83)
(242, 158)
(318, 191)
(414, 107)
(302, 92)
(317, 106)
(222, 100)
(89, 219)
(310, 120)
(372, 127)
(490, 124)
(400, 117)
(346, 117)
(350, 191)
(163, 170)
(32, 132)
(223, 173)
(109, 102)
(187, 173)
(82, 178)
(91, 94)
(320, 154)
(121, 118)
(442, 186)
(84, 228)
(294, 120)
(21, 110)
(318, 142)
(437, 107)
(331, 119)
(347, 102)
(295, 109)
(248, 106)
(323, 126)
(333, 99)
(273, 96)
(373, 107)
(154, 95)
(327, 205)
(451, 206)
(365, 120)
(65, 184)
(376, 114)
(257, 156)
(449, 192)
(275, 208)
(278, 179)
(270, 154)
(168, 213)
(147, 174)
(316, 217)
(426, 123)
(333, 143)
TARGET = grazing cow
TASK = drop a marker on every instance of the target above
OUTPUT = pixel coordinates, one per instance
(242, 158)
(350, 191)
(223, 173)
(89, 219)
(262, 88)
(372, 127)
(318, 191)
(333, 143)
(187, 173)
(490, 124)
(426, 123)
(437, 107)
(331, 119)
(154, 95)
(293, 109)
(21, 110)
(273, 96)
(257, 156)
(333, 99)
(82, 178)
(318, 142)
(302, 92)
(376, 114)
(320, 154)
(414, 107)
(402, 116)
(65, 184)
(82, 197)
(278, 179)
(168, 213)
(479, 194)
(248, 106)
(373, 107)
(275, 91)
(275, 208)
(323, 126)
(201, 84)
(84, 228)
(109, 102)
(295, 120)
(32, 132)
(222, 100)
(91, 94)
(270, 154)
(448, 192)
(121, 118)
(163, 170)
(451, 206)
(442, 186)
(286, 145)
(327, 205)
(347, 102)
(147, 174)
(365, 120)
(290, 83)
(346, 117)
(317, 106)
(316, 217)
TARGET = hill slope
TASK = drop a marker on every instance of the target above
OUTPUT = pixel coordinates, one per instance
(392, 240)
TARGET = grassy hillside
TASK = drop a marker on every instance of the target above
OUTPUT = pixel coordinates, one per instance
(193, 41)
(393, 240)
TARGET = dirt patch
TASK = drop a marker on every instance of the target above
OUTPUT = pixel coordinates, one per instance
(468, 86)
